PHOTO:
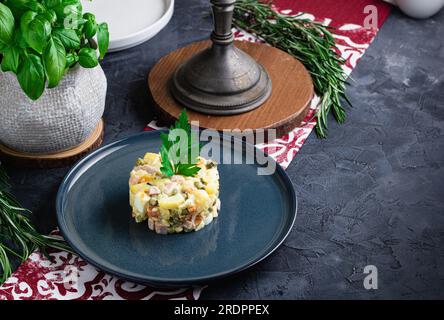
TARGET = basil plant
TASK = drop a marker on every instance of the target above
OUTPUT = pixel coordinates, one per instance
(40, 40)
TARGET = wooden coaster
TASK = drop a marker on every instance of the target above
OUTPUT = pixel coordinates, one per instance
(53, 160)
(284, 110)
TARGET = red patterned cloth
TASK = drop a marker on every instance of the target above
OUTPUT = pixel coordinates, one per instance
(68, 277)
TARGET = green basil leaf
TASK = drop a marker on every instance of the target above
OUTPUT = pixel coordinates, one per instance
(82, 21)
(103, 39)
(52, 3)
(69, 13)
(68, 37)
(88, 58)
(90, 29)
(54, 60)
(10, 60)
(36, 30)
(71, 60)
(18, 7)
(89, 16)
(35, 6)
(50, 15)
(31, 76)
(20, 40)
(6, 24)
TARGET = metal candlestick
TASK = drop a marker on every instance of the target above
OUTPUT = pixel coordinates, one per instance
(222, 79)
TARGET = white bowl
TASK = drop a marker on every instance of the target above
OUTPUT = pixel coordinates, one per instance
(131, 22)
(419, 9)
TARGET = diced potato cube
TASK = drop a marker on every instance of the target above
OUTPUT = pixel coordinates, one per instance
(212, 188)
(159, 182)
(147, 178)
(151, 158)
(202, 198)
(172, 202)
(139, 187)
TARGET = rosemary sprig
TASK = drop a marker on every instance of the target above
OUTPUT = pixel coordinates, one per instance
(310, 42)
(18, 237)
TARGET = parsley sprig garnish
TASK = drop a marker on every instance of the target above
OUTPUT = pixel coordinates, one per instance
(175, 159)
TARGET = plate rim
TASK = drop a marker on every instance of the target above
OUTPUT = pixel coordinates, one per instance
(145, 34)
(165, 282)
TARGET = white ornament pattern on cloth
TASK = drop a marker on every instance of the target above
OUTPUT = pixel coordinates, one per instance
(68, 277)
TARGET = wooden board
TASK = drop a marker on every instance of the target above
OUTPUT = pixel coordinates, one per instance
(284, 110)
(53, 160)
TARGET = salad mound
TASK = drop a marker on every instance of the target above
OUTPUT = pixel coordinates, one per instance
(177, 203)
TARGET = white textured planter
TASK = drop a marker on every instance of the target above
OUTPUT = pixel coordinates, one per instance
(61, 119)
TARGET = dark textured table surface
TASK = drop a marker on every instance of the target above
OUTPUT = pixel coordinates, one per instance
(371, 194)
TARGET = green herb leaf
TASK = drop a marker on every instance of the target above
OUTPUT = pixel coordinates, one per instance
(32, 5)
(165, 140)
(90, 29)
(54, 60)
(18, 7)
(69, 13)
(52, 33)
(172, 150)
(68, 37)
(31, 76)
(103, 39)
(71, 60)
(20, 40)
(50, 15)
(52, 3)
(10, 60)
(167, 167)
(36, 30)
(182, 122)
(6, 24)
(187, 169)
(88, 58)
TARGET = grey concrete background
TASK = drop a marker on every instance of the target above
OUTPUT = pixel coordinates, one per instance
(372, 193)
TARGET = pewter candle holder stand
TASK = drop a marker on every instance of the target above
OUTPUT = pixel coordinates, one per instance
(222, 79)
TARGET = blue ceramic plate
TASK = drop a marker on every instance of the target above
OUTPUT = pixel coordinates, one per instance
(257, 214)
